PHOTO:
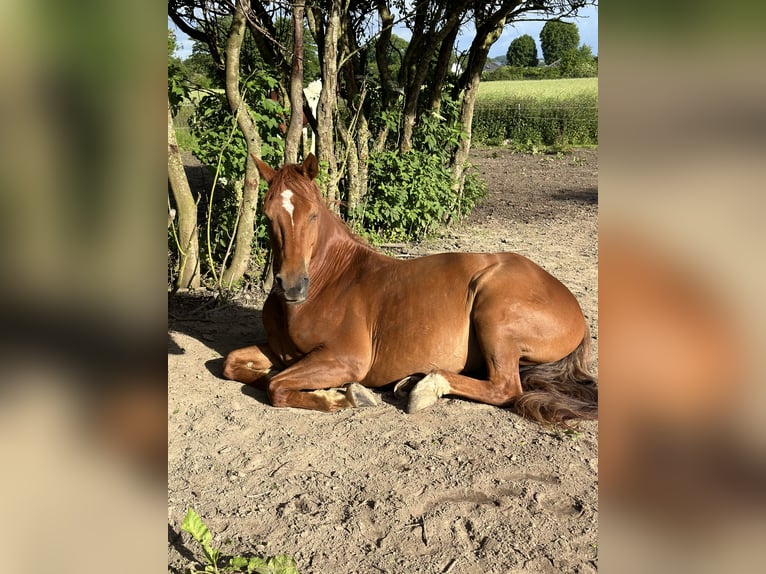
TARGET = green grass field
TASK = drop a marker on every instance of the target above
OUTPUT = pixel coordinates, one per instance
(537, 114)
(492, 92)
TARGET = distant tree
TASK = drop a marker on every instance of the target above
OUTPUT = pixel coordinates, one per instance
(578, 63)
(522, 52)
(394, 50)
(201, 68)
(557, 37)
(175, 65)
(172, 43)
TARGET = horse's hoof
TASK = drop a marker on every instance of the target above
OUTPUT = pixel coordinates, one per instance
(427, 392)
(360, 396)
(402, 388)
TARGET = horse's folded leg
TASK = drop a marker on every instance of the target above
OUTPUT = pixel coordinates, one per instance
(427, 392)
(360, 396)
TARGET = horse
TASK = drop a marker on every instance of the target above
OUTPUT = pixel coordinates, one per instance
(343, 318)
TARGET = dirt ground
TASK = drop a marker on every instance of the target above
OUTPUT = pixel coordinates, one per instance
(460, 487)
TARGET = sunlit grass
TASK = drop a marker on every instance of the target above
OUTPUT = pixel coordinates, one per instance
(493, 92)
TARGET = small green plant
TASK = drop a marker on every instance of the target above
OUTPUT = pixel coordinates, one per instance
(194, 525)
(573, 435)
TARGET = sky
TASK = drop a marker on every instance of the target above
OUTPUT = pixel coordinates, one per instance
(587, 24)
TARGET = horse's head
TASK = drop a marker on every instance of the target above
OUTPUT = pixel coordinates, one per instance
(292, 205)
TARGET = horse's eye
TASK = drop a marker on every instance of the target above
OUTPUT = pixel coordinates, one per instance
(313, 217)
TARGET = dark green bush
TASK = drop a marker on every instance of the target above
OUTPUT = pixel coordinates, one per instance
(409, 195)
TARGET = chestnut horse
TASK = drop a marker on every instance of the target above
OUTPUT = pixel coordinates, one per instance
(341, 317)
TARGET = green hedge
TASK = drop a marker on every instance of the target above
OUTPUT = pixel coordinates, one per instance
(535, 122)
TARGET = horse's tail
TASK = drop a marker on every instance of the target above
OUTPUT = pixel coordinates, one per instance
(557, 392)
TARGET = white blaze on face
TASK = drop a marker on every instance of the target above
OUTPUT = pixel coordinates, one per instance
(287, 203)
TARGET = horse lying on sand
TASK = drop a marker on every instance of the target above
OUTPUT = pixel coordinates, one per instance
(342, 318)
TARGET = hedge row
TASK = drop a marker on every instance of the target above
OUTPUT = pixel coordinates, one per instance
(534, 122)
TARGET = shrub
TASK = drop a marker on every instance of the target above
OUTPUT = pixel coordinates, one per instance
(409, 195)
(219, 144)
(578, 63)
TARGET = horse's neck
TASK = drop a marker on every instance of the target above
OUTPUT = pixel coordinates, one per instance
(337, 250)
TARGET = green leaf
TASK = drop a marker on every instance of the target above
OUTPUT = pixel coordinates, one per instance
(283, 565)
(238, 562)
(193, 525)
(258, 565)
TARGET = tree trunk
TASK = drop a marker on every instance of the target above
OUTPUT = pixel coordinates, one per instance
(381, 54)
(464, 145)
(293, 136)
(472, 77)
(247, 209)
(441, 70)
(363, 145)
(422, 48)
(186, 211)
(352, 167)
(326, 109)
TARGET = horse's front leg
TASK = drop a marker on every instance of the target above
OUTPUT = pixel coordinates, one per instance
(253, 365)
(313, 383)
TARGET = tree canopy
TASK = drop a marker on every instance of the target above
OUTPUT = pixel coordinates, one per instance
(522, 52)
(557, 37)
(374, 119)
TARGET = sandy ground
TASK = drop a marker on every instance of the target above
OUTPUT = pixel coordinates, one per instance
(460, 487)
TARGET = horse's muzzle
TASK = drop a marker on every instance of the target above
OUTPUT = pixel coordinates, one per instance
(293, 291)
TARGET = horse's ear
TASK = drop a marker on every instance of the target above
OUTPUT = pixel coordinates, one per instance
(310, 166)
(266, 172)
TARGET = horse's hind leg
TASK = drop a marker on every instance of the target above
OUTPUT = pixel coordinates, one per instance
(502, 386)
(500, 389)
(253, 365)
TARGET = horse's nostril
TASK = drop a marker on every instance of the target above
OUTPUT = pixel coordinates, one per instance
(278, 281)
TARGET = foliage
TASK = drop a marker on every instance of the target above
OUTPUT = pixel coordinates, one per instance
(409, 195)
(221, 146)
(406, 195)
(202, 70)
(177, 88)
(394, 53)
(194, 525)
(557, 37)
(578, 63)
(364, 121)
(522, 52)
(534, 115)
